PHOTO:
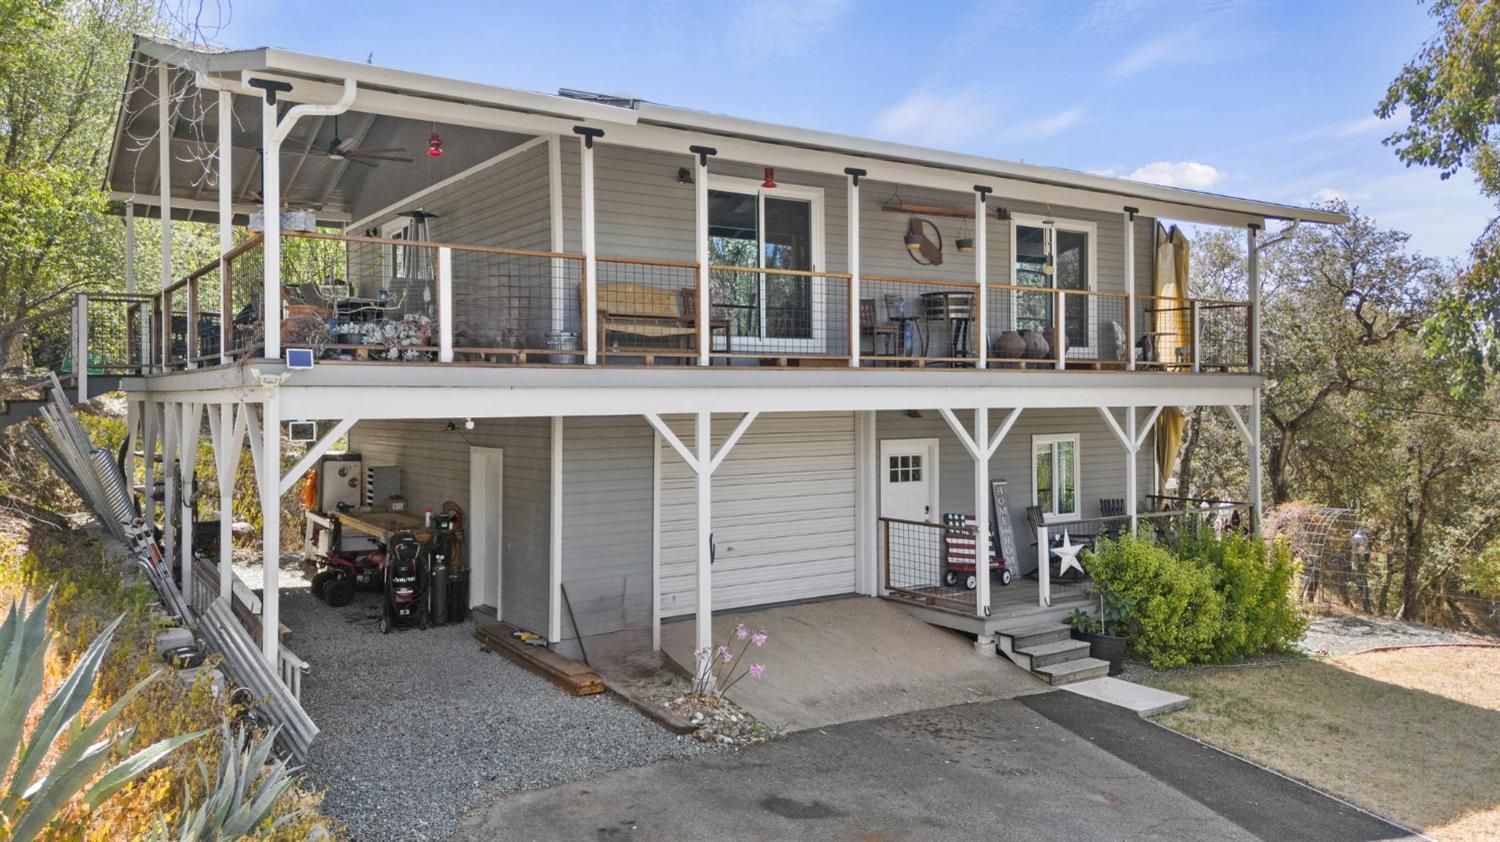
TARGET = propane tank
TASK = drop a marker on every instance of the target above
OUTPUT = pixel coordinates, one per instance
(438, 591)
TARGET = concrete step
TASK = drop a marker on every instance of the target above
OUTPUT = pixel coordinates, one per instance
(1056, 652)
(1026, 637)
(1071, 671)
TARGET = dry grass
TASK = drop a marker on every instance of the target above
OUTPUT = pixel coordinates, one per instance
(1409, 734)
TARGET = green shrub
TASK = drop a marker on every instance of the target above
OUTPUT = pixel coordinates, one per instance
(1206, 598)
(1166, 605)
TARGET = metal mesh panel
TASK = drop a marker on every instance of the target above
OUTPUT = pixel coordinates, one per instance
(647, 311)
(1023, 322)
(246, 269)
(175, 311)
(916, 563)
(515, 306)
(917, 321)
(115, 333)
(1164, 333)
(1095, 328)
(776, 315)
(1223, 336)
(360, 299)
(207, 303)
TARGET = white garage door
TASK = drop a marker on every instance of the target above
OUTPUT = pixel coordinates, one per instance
(783, 513)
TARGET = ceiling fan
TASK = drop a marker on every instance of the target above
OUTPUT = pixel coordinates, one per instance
(342, 149)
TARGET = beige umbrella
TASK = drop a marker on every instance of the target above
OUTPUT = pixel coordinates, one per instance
(1173, 324)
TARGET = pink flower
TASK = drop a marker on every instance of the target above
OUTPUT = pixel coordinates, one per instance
(757, 670)
(725, 655)
(740, 632)
(759, 638)
(700, 654)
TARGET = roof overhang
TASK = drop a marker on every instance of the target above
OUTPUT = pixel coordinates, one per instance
(649, 126)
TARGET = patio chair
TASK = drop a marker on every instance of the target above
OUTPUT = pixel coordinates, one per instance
(690, 318)
(1112, 507)
(870, 326)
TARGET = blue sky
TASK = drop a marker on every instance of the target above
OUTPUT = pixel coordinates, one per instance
(1268, 100)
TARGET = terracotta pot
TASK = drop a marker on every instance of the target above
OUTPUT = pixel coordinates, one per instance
(1010, 346)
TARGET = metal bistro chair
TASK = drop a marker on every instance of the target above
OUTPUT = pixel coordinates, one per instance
(912, 341)
(876, 330)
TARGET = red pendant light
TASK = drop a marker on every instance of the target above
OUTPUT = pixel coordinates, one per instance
(434, 145)
(770, 181)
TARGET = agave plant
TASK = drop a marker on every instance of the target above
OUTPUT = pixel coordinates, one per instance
(28, 802)
(239, 799)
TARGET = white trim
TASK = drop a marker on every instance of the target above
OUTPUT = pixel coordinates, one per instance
(1090, 349)
(932, 445)
(382, 216)
(1049, 511)
(814, 197)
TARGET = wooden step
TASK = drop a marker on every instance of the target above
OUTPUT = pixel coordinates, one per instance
(1056, 652)
(1068, 672)
(1027, 637)
(566, 673)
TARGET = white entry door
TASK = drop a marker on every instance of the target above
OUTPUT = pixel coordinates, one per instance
(485, 527)
(908, 479)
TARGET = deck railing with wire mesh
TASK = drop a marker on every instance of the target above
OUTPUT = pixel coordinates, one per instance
(777, 316)
(116, 332)
(918, 321)
(244, 270)
(516, 306)
(647, 311)
(915, 566)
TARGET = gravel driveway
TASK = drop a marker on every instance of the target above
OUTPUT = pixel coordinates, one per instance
(420, 726)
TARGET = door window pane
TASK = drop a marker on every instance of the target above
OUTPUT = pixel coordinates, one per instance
(734, 240)
(788, 246)
(1043, 459)
(1067, 473)
(1033, 311)
(1072, 267)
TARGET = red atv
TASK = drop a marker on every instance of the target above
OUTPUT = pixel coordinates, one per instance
(343, 572)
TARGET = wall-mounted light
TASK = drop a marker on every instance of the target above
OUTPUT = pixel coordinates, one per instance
(1002, 214)
(684, 175)
(912, 413)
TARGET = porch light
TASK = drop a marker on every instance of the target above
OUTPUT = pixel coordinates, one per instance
(770, 181)
(434, 145)
(684, 175)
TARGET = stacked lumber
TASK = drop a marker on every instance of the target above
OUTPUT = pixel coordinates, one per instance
(566, 673)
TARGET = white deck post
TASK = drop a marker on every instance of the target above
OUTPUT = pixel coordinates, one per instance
(1132, 457)
(164, 190)
(130, 248)
(169, 423)
(1060, 322)
(445, 303)
(590, 253)
(187, 463)
(1043, 568)
(981, 315)
(856, 328)
(554, 547)
(655, 541)
(1130, 289)
(982, 525)
(226, 433)
(705, 615)
(700, 248)
(150, 432)
(81, 344)
(1256, 501)
(1253, 283)
(270, 534)
(226, 214)
(271, 247)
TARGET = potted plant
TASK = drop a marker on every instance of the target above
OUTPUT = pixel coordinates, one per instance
(1099, 632)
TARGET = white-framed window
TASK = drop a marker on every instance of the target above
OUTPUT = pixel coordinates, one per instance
(757, 227)
(1055, 475)
(1053, 253)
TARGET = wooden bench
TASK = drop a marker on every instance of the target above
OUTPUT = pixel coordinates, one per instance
(645, 316)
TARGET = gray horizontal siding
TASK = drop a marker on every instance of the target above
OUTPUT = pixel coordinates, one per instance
(1101, 461)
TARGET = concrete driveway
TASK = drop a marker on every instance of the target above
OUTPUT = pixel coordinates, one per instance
(843, 660)
(1044, 767)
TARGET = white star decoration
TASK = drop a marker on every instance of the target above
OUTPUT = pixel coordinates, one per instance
(1067, 554)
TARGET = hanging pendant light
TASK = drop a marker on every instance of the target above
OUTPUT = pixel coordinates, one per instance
(913, 238)
(1047, 264)
(770, 181)
(965, 242)
(434, 145)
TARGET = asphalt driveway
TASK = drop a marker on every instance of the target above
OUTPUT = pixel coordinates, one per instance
(1044, 767)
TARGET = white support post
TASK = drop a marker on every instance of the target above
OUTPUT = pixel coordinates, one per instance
(230, 440)
(190, 325)
(132, 441)
(445, 304)
(81, 344)
(169, 422)
(226, 214)
(866, 509)
(590, 256)
(187, 463)
(164, 182)
(1043, 567)
(1197, 345)
(856, 327)
(700, 247)
(981, 320)
(1060, 324)
(1252, 257)
(270, 517)
(655, 541)
(554, 545)
(1256, 501)
(1132, 457)
(130, 248)
(560, 293)
(1130, 289)
(703, 639)
(150, 434)
(985, 645)
(271, 242)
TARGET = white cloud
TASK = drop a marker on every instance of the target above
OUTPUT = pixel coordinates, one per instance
(1047, 126)
(1326, 194)
(785, 28)
(1190, 175)
(931, 118)
(1222, 34)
